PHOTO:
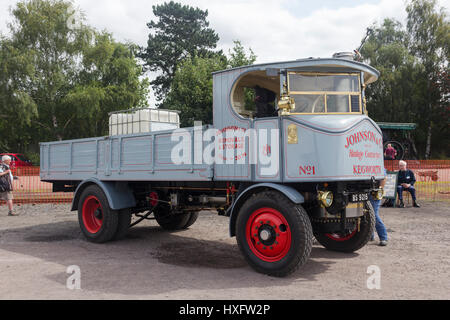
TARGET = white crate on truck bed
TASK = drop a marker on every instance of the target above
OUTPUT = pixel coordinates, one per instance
(142, 121)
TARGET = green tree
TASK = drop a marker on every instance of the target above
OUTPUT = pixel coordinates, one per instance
(108, 81)
(178, 33)
(17, 108)
(191, 90)
(395, 96)
(429, 31)
(59, 79)
(238, 57)
(391, 98)
(192, 87)
(413, 75)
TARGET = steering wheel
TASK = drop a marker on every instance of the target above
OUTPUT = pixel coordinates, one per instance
(315, 104)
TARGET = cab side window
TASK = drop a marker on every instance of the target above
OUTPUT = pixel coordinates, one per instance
(255, 95)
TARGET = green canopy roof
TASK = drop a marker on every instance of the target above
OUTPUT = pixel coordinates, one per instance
(397, 126)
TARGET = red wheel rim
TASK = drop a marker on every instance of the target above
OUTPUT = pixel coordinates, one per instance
(153, 199)
(340, 238)
(268, 234)
(92, 214)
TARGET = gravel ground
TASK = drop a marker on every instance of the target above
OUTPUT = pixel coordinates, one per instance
(37, 247)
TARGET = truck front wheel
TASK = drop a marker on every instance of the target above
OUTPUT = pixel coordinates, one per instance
(274, 235)
(354, 239)
(97, 220)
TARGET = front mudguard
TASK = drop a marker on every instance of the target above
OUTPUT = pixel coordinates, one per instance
(290, 193)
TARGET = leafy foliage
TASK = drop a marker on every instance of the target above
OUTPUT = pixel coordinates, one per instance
(238, 57)
(58, 81)
(180, 32)
(413, 86)
(191, 91)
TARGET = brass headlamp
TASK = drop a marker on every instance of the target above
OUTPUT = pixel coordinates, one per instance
(325, 198)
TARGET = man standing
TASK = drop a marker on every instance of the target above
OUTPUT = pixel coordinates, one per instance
(379, 225)
(5, 173)
(406, 181)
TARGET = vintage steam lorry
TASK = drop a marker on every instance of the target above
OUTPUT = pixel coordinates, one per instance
(298, 161)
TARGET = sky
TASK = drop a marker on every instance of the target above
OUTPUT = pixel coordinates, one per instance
(276, 30)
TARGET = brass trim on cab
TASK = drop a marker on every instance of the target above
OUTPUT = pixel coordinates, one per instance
(292, 134)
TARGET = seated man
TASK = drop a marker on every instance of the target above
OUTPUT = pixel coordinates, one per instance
(406, 180)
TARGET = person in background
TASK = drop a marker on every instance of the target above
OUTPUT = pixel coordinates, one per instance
(390, 153)
(379, 225)
(406, 181)
(7, 195)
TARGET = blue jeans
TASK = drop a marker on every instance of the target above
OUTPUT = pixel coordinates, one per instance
(379, 225)
(411, 190)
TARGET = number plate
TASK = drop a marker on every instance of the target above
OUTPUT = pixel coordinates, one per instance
(359, 197)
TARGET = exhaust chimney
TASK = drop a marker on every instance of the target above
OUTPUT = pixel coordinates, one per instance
(344, 55)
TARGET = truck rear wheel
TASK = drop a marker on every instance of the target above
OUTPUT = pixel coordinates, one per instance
(172, 222)
(274, 235)
(354, 239)
(97, 220)
(123, 224)
(193, 216)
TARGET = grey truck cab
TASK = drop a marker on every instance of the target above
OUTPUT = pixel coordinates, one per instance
(291, 155)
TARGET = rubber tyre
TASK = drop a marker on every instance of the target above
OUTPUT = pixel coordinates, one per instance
(171, 222)
(96, 230)
(123, 224)
(298, 229)
(193, 216)
(356, 240)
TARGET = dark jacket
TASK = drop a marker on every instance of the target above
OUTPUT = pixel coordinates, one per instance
(7, 177)
(406, 176)
(264, 102)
